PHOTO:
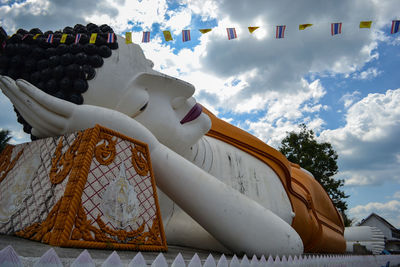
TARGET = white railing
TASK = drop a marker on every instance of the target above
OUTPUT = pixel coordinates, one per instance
(9, 258)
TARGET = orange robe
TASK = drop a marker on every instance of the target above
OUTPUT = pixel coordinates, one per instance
(317, 221)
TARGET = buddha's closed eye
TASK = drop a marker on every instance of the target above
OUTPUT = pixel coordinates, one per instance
(144, 107)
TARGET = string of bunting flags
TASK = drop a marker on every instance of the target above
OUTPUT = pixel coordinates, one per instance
(336, 28)
(92, 40)
(185, 35)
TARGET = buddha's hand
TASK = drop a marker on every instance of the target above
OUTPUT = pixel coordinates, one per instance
(51, 116)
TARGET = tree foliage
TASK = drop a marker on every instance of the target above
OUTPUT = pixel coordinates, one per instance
(4, 138)
(318, 158)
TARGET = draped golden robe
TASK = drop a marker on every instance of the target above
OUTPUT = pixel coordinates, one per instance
(316, 220)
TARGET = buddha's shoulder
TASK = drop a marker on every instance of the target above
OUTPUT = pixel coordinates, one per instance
(244, 141)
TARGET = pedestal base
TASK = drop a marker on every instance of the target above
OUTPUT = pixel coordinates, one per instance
(91, 189)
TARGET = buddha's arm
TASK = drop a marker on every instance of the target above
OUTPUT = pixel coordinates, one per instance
(239, 223)
(50, 116)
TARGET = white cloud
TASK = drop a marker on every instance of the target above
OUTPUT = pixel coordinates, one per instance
(349, 98)
(369, 73)
(8, 121)
(368, 144)
(396, 194)
(256, 102)
(313, 108)
(257, 74)
(179, 20)
(272, 134)
(141, 13)
(207, 9)
(288, 105)
(347, 48)
(285, 111)
(278, 88)
(389, 210)
(279, 64)
(53, 15)
(361, 177)
(372, 118)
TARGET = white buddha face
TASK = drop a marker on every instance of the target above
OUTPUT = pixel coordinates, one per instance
(163, 104)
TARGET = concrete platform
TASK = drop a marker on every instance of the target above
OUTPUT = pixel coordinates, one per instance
(31, 251)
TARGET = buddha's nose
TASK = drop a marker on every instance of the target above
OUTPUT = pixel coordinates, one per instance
(177, 102)
(181, 89)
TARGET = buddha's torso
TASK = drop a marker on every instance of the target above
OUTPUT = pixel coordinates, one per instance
(261, 173)
(235, 168)
(244, 173)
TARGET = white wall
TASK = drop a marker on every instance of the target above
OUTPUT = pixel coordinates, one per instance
(373, 221)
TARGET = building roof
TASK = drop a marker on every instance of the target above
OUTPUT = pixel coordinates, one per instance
(389, 225)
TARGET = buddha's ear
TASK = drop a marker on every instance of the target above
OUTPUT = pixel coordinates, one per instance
(134, 98)
(164, 82)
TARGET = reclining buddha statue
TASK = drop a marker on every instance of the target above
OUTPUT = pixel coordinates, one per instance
(220, 188)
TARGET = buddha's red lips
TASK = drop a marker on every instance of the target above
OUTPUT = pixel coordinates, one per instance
(193, 113)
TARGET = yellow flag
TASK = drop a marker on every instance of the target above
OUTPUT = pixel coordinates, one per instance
(128, 37)
(93, 38)
(63, 38)
(365, 24)
(167, 36)
(304, 26)
(36, 36)
(252, 29)
(203, 31)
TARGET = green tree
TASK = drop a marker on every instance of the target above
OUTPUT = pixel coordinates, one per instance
(4, 138)
(318, 158)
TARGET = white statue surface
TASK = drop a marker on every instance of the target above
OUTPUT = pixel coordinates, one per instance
(212, 194)
(205, 204)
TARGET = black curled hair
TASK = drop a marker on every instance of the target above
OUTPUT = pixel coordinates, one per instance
(59, 69)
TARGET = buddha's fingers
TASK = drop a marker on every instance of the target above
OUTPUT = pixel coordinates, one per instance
(41, 116)
(53, 104)
(36, 122)
(36, 132)
(7, 85)
(44, 121)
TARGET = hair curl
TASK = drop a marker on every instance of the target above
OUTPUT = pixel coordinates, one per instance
(59, 69)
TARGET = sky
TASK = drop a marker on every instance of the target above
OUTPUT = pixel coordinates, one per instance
(346, 87)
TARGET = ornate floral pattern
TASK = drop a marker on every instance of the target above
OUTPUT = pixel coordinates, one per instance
(64, 161)
(120, 202)
(71, 223)
(41, 231)
(139, 160)
(105, 152)
(6, 164)
(84, 230)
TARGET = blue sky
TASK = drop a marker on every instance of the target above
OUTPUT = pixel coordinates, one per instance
(345, 87)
